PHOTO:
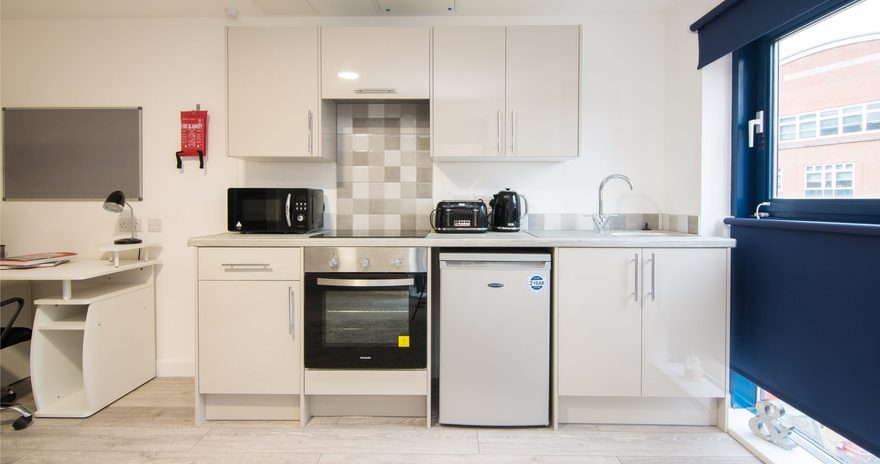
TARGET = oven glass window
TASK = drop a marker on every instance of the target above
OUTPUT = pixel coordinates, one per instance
(366, 317)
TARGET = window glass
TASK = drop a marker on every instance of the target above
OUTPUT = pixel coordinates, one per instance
(787, 128)
(827, 104)
(829, 123)
(829, 181)
(873, 119)
(852, 119)
(807, 126)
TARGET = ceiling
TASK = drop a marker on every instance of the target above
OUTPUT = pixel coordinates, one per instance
(65, 9)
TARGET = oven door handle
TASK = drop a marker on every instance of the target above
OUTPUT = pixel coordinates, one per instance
(365, 282)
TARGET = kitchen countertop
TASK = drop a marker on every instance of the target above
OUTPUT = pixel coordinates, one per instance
(549, 238)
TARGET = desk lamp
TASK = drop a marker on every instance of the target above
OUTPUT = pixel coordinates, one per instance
(115, 203)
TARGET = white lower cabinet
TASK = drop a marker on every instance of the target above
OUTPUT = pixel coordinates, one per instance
(249, 333)
(600, 333)
(646, 322)
(247, 342)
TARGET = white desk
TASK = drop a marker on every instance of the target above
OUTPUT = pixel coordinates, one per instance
(96, 340)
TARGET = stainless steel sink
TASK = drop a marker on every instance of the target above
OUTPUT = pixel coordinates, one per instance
(646, 233)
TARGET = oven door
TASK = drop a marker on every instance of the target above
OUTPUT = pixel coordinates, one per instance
(365, 320)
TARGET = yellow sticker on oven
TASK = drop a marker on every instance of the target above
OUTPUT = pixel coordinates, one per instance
(403, 341)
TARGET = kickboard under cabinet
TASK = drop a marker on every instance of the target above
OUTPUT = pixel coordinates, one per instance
(366, 382)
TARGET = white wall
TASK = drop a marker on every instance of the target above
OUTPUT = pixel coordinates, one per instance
(717, 83)
(697, 135)
(165, 66)
(682, 117)
(168, 65)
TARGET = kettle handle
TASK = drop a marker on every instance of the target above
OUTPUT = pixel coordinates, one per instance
(526, 209)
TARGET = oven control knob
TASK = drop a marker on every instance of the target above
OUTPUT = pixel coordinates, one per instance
(300, 218)
(365, 262)
(333, 262)
(397, 263)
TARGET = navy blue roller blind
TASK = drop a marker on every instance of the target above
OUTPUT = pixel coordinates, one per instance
(735, 23)
(805, 319)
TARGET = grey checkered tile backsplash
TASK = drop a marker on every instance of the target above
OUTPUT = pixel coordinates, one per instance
(383, 166)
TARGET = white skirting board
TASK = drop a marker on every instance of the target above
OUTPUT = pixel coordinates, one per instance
(343, 405)
(172, 368)
(251, 407)
(638, 410)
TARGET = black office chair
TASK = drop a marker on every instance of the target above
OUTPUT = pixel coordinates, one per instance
(9, 336)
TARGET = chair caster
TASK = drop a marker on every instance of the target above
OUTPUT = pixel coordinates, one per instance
(22, 422)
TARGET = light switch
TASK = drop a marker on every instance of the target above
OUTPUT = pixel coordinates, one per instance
(154, 225)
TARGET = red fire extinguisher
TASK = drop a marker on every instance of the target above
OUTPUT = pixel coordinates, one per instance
(193, 136)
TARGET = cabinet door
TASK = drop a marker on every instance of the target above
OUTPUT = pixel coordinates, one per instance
(272, 91)
(249, 337)
(468, 93)
(684, 322)
(543, 74)
(389, 62)
(600, 351)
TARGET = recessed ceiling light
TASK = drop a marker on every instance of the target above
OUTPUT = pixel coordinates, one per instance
(348, 75)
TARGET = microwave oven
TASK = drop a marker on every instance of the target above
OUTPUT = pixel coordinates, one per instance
(274, 210)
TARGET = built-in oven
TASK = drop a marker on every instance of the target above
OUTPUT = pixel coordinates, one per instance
(365, 308)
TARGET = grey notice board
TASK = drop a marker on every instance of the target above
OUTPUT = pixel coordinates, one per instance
(71, 153)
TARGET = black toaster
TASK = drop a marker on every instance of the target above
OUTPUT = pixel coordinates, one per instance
(461, 216)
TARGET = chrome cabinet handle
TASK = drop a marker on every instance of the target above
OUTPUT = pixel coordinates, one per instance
(653, 273)
(374, 91)
(287, 210)
(635, 261)
(365, 282)
(235, 267)
(290, 319)
(513, 132)
(310, 132)
(500, 126)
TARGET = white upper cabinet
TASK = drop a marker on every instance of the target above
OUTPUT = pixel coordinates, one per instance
(506, 91)
(543, 77)
(375, 62)
(468, 98)
(272, 92)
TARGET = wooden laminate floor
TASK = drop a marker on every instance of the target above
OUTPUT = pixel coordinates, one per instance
(154, 424)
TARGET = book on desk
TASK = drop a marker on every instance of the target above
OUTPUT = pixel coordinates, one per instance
(33, 260)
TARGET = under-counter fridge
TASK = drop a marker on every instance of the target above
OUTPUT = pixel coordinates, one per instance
(494, 339)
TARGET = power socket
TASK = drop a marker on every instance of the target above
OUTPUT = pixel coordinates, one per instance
(124, 224)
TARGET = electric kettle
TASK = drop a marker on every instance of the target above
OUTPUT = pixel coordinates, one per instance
(508, 208)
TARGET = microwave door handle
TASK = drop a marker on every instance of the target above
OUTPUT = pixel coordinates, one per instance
(287, 210)
(365, 282)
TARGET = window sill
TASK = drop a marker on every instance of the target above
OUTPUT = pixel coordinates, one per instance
(738, 428)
